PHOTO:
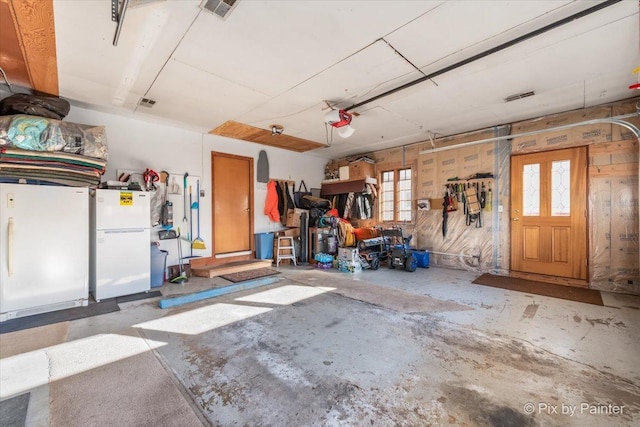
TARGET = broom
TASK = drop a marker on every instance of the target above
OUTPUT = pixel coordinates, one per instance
(198, 243)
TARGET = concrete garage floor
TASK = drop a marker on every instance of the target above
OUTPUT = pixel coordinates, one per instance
(324, 348)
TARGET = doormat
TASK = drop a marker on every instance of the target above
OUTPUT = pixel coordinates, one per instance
(138, 296)
(243, 276)
(13, 411)
(588, 296)
(93, 309)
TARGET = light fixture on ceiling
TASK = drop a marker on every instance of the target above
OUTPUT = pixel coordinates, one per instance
(276, 130)
(341, 120)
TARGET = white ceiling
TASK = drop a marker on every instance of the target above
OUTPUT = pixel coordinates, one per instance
(279, 61)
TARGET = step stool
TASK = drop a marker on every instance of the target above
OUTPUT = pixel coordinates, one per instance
(285, 243)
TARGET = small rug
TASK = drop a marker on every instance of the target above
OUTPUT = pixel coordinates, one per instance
(243, 276)
(588, 296)
(13, 411)
(136, 297)
(93, 309)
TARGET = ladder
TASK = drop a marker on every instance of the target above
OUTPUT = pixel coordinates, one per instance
(285, 243)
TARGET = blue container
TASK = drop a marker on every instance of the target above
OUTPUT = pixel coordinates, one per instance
(158, 265)
(422, 257)
(264, 245)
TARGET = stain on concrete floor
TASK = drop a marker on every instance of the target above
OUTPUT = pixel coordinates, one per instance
(373, 366)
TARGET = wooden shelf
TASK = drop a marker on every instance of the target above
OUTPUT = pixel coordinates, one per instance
(343, 187)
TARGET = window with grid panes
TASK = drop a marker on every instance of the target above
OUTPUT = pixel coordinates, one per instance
(395, 195)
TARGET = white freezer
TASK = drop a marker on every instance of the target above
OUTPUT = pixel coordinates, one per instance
(44, 247)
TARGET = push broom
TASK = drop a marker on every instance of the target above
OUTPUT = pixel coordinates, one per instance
(198, 243)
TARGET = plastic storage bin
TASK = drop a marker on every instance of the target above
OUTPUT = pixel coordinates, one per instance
(264, 245)
(422, 257)
(158, 266)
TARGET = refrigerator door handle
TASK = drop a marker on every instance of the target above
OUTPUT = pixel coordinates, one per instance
(10, 247)
(124, 230)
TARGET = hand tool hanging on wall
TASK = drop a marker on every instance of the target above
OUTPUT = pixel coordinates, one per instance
(464, 198)
(150, 177)
(452, 201)
(166, 215)
(487, 206)
(184, 186)
(473, 207)
(445, 214)
(483, 196)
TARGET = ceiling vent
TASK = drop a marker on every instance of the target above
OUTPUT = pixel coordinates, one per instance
(146, 102)
(221, 8)
(519, 96)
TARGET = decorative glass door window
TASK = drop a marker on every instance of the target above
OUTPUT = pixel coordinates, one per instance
(531, 190)
(561, 188)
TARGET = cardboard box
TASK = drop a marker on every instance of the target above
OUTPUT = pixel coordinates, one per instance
(348, 254)
(293, 217)
(349, 266)
(343, 173)
(361, 170)
(295, 232)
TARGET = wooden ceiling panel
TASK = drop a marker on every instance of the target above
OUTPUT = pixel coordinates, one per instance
(30, 32)
(11, 58)
(248, 133)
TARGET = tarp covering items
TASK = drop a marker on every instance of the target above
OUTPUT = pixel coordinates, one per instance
(45, 134)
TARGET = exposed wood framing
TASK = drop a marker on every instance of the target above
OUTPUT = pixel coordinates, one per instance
(248, 133)
(31, 42)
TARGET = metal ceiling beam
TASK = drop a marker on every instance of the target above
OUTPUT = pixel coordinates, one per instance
(118, 16)
(488, 52)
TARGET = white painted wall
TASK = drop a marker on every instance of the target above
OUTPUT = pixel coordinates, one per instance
(136, 145)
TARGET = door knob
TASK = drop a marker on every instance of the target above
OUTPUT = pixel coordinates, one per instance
(516, 219)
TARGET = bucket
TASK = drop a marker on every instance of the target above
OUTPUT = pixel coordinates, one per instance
(158, 265)
(422, 257)
(264, 245)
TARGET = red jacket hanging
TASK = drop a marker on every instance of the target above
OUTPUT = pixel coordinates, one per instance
(271, 203)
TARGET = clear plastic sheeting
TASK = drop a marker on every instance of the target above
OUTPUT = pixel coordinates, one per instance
(479, 245)
(613, 213)
(44, 134)
(613, 192)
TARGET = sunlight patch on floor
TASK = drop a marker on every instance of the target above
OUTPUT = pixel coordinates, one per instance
(29, 370)
(203, 319)
(284, 295)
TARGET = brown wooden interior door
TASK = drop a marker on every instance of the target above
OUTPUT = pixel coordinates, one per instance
(549, 213)
(232, 200)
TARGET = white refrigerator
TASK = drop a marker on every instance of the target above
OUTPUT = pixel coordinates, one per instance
(44, 249)
(120, 242)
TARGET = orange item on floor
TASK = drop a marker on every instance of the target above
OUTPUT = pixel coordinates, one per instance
(366, 233)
